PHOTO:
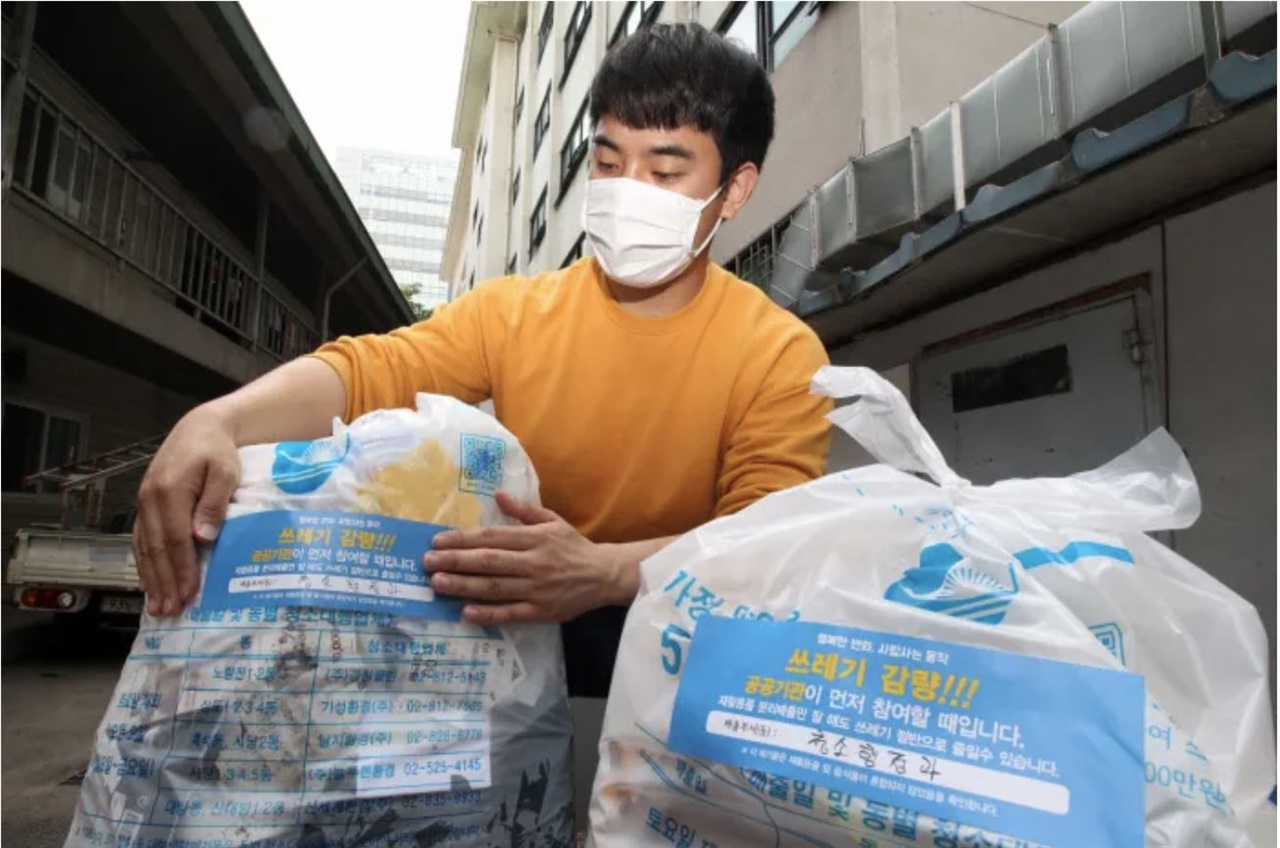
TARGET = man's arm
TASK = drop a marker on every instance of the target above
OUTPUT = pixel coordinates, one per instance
(184, 495)
(782, 438)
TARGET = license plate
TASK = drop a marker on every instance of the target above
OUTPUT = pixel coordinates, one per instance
(124, 605)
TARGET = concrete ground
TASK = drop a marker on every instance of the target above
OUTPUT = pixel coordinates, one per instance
(53, 693)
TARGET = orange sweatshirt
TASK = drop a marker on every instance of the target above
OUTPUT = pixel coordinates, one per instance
(638, 427)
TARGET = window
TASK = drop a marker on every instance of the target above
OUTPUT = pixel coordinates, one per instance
(575, 147)
(515, 189)
(471, 281)
(544, 30)
(480, 155)
(538, 224)
(634, 17)
(1033, 375)
(479, 230)
(512, 264)
(575, 252)
(519, 110)
(741, 24)
(755, 262)
(543, 122)
(36, 440)
(576, 32)
(769, 30)
(475, 214)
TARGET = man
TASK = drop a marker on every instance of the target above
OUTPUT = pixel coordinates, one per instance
(653, 390)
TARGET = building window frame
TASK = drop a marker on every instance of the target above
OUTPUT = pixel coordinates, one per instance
(479, 230)
(770, 31)
(518, 112)
(575, 34)
(538, 224)
(761, 252)
(48, 414)
(515, 189)
(513, 264)
(648, 14)
(574, 150)
(544, 29)
(575, 252)
(542, 124)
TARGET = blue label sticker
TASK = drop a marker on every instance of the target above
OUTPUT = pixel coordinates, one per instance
(1023, 746)
(337, 560)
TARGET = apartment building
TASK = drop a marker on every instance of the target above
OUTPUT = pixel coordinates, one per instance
(170, 229)
(403, 200)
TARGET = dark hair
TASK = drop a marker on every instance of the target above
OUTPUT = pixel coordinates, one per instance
(674, 75)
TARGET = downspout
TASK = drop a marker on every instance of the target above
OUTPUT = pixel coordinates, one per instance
(328, 297)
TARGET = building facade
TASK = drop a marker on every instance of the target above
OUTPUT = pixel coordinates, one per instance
(404, 200)
(847, 78)
(170, 232)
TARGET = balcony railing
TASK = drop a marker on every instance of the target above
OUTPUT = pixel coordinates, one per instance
(63, 167)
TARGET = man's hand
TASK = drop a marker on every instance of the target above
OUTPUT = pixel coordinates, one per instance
(183, 499)
(543, 571)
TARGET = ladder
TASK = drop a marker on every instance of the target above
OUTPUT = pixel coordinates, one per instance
(83, 484)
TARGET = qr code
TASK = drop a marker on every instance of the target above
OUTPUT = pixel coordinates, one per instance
(481, 464)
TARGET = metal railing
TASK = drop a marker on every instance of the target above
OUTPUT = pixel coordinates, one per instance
(63, 167)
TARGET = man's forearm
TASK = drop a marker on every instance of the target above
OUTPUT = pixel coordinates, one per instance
(625, 559)
(297, 401)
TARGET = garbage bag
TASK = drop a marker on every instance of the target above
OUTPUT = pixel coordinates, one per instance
(318, 694)
(892, 656)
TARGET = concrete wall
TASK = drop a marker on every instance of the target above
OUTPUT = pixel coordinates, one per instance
(817, 118)
(862, 77)
(1221, 359)
(1213, 301)
(119, 409)
(945, 49)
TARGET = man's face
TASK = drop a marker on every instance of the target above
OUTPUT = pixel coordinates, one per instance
(684, 160)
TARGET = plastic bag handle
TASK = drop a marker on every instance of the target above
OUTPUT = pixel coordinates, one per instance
(1148, 488)
(883, 423)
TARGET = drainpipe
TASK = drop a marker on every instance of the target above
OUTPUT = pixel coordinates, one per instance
(328, 297)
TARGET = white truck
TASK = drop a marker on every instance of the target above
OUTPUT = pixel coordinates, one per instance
(83, 570)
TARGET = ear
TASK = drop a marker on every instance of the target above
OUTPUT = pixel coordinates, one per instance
(739, 189)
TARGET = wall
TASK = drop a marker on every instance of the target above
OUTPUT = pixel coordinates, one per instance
(945, 49)
(1221, 290)
(120, 408)
(1213, 277)
(817, 116)
(865, 75)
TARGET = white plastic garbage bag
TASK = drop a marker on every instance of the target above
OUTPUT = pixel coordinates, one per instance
(873, 659)
(318, 694)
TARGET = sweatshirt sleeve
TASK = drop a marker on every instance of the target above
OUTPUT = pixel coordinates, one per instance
(783, 436)
(445, 354)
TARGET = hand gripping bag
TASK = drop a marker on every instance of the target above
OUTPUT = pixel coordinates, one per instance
(316, 695)
(880, 659)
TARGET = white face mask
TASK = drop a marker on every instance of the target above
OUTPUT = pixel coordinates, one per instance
(642, 235)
